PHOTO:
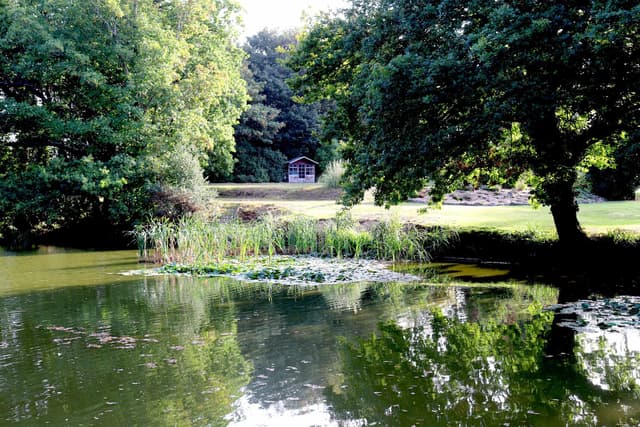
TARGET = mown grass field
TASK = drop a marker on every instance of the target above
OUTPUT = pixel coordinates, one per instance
(313, 200)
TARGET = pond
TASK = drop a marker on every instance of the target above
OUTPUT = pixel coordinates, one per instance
(83, 345)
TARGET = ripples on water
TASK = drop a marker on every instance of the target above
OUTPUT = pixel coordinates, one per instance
(81, 346)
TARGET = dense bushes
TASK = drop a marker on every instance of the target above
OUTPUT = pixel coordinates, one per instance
(87, 101)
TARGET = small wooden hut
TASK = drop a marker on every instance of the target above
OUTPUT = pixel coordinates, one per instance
(302, 169)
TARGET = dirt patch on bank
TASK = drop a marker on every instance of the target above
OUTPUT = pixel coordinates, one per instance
(279, 192)
(503, 197)
(477, 197)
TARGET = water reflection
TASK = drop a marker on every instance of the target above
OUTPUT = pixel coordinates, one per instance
(185, 351)
(611, 360)
(106, 355)
(455, 373)
(51, 268)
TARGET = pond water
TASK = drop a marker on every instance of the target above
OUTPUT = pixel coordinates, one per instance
(82, 345)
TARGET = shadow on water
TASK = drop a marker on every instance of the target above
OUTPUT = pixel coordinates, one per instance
(41, 250)
(187, 351)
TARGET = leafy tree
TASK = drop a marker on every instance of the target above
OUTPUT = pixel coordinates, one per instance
(275, 127)
(437, 89)
(257, 158)
(95, 99)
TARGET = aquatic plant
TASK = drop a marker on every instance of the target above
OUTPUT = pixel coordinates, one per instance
(196, 240)
(302, 235)
(395, 241)
(156, 240)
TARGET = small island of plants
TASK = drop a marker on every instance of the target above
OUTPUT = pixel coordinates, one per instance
(294, 249)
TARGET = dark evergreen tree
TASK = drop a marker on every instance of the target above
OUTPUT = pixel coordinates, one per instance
(257, 158)
(275, 127)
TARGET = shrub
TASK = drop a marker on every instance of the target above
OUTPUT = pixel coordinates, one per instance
(333, 174)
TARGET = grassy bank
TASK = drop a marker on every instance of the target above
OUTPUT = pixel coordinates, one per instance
(312, 200)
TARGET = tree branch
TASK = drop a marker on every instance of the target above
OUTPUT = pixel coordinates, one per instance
(43, 142)
(10, 88)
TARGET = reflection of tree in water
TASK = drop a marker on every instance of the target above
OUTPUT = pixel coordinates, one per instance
(293, 339)
(611, 360)
(470, 374)
(154, 352)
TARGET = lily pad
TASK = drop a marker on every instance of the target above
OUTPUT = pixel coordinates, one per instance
(291, 270)
(610, 314)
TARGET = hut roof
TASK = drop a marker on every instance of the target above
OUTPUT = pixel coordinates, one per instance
(297, 159)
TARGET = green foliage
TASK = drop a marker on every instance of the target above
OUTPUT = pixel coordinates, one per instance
(195, 241)
(258, 164)
(483, 92)
(621, 181)
(274, 128)
(90, 91)
(180, 168)
(332, 175)
(622, 238)
(77, 194)
(256, 158)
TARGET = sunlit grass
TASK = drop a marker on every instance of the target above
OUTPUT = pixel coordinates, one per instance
(595, 218)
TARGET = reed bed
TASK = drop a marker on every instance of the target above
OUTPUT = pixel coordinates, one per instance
(195, 241)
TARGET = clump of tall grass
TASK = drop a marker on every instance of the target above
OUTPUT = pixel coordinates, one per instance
(622, 238)
(341, 237)
(157, 240)
(393, 241)
(302, 235)
(332, 175)
(196, 241)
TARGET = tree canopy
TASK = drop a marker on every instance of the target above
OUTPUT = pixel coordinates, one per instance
(103, 101)
(439, 90)
(275, 127)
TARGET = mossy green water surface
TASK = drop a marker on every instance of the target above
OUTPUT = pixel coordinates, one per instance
(96, 348)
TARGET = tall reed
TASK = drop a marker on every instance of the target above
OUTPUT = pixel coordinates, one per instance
(302, 235)
(194, 240)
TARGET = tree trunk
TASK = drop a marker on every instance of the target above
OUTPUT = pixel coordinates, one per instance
(564, 210)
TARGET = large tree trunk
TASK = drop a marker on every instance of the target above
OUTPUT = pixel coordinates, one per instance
(565, 218)
(564, 210)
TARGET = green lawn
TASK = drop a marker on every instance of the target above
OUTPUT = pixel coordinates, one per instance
(595, 218)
